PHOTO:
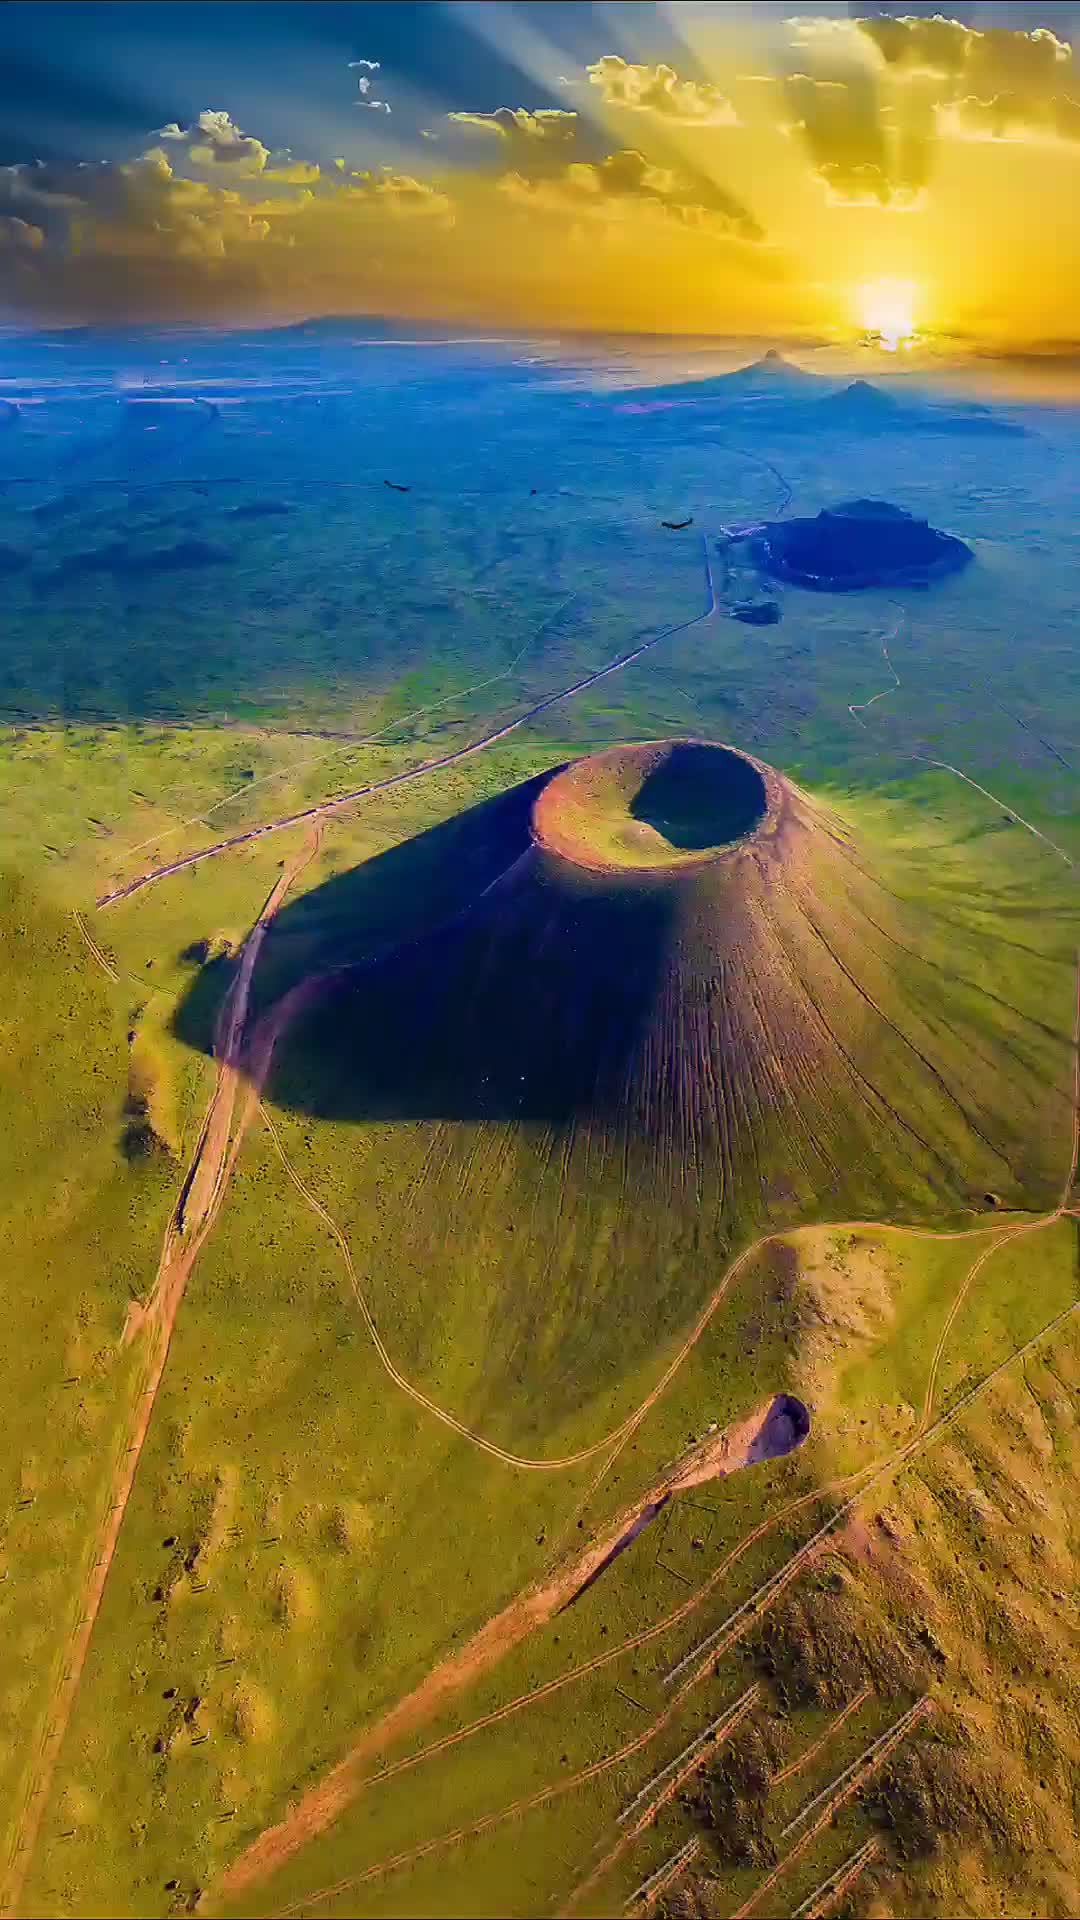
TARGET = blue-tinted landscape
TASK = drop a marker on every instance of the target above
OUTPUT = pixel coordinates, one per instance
(540, 1095)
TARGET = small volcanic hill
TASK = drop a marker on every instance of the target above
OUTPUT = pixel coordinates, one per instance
(771, 372)
(761, 382)
(625, 1017)
(860, 543)
(862, 407)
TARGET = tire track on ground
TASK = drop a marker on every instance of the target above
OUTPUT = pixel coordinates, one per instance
(805, 1759)
(875, 1759)
(187, 1229)
(324, 807)
(104, 963)
(321, 1805)
(344, 747)
(946, 766)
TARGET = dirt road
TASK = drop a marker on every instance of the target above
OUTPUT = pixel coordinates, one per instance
(324, 807)
(322, 1804)
(191, 1221)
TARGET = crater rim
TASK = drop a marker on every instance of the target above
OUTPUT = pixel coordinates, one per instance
(657, 807)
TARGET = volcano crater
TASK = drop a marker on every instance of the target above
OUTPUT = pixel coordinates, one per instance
(652, 807)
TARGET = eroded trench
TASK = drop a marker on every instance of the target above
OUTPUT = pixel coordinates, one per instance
(770, 1433)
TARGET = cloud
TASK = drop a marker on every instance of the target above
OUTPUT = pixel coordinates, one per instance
(552, 125)
(215, 141)
(626, 181)
(400, 195)
(997, 83)
(868, 186)
(912, 45)
(865, 151)
(364, 85)
(658, 90)
(142, 241)
(18, 236)
(293, 173)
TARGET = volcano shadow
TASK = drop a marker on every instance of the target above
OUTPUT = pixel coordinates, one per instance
(370, 910)
(696, 798)
(466, 974)
(526, 1005)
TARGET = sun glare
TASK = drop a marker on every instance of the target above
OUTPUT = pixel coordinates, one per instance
(887, 312)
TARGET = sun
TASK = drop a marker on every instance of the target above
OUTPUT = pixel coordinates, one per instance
(887, 311)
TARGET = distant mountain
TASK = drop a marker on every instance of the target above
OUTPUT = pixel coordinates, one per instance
(775, 391)
(862, 407)
(347, 327)
(771, 371)
(861, 403)
(770, 379)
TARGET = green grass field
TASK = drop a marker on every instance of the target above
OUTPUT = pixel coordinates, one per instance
(304, 1543)
(331, 1575)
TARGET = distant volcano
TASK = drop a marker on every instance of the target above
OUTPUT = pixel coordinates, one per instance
(858, 544)
(770, 379)
(771, 366)
(860, 404)
(862, 407)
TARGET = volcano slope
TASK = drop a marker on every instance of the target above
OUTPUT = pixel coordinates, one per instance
(689, 1007)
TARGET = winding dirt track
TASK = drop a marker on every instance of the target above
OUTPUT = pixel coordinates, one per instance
(322, 1804)
(739, 1624)
(619, 1435)
(187, 1229)
(329, 1798)
(875, 1760)
(810, 1754)
(946, 766)
(324, 807)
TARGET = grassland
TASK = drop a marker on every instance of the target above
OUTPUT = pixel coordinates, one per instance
(83, 1204)
(302, 1545)
(334, 1559)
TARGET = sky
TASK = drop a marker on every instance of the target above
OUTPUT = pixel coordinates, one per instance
(685, 167)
